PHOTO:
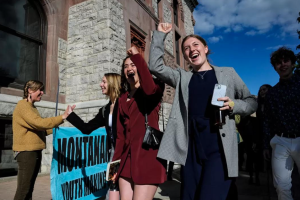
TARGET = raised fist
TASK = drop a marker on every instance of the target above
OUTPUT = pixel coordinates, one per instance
(164, 27)
(132, 51)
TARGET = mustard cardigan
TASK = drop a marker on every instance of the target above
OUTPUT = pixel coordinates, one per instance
(29, 128)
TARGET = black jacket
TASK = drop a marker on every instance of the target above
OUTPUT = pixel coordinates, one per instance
(98, 121)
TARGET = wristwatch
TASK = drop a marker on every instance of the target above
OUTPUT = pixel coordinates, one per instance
(231, 104)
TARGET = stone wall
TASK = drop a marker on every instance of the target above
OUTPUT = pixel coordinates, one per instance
(168, 19)
(96, 45)
(62, 63)
(164, 113)
(154, 5)
(188, 20)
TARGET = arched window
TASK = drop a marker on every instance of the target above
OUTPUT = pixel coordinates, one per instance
(22, 42)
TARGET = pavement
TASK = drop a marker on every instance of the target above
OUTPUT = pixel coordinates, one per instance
(170, 190)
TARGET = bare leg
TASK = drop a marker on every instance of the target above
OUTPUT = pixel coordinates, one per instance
(145, 192)
(114, 195)
(126, 188)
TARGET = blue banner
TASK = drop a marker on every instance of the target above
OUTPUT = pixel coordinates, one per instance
(79, 164)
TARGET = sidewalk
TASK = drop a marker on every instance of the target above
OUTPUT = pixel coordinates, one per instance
(170, 190)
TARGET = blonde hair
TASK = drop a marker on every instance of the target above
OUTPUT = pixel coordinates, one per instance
(34, 85)
(114, 85)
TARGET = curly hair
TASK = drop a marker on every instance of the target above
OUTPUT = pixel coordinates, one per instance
(34, 85)
(282, 53)
(114, 85)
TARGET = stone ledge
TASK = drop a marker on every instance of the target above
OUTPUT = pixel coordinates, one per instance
(4, 98)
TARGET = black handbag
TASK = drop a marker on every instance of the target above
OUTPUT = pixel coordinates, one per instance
(152, 136)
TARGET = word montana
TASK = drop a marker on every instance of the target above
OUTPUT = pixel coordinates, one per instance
(81, 152)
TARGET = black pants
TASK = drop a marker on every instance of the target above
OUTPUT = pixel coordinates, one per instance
(29, 165)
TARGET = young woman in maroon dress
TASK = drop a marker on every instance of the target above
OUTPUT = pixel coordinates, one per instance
(140, 170)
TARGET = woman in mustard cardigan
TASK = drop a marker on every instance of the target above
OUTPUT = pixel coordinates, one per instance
(29, 137)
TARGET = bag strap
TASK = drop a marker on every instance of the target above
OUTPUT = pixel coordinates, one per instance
(162, 113)
(146, 118)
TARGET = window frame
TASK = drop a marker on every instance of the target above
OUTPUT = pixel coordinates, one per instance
(42, 42)
(177, 47)
(141, 38)
(176, 12)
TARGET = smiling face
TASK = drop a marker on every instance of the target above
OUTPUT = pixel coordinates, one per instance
(263, 91)
(284, 68)
(130, 72)
(104, 85)
(195, 52)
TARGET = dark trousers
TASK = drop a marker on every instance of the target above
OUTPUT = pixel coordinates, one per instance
(205, 179)
(205, 182)
(29, 165)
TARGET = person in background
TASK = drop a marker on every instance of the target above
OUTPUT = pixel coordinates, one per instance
(255, 147)
(29, 137)
(107, 116)
(140, 172)
(248, 130)
(191, 137)
(281, 122)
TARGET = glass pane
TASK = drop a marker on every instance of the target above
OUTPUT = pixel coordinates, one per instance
(21, 16)
(19, 59)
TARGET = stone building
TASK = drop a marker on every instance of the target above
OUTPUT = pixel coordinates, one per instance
(69, 45)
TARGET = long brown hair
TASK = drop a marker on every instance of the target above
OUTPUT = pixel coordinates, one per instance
(114, 85)
(124, 84)
(34, 85)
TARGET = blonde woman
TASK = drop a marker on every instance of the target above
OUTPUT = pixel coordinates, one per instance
(29, 137)
(107, 116)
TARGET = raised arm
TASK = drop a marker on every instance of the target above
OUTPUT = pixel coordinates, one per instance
(156, 65)
(89, 127)
(146, 80)
(32, 119)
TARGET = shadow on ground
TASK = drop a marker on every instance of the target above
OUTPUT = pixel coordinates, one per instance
(264, 191)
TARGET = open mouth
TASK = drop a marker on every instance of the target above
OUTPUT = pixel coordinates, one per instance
(194, 56)
(130, 74)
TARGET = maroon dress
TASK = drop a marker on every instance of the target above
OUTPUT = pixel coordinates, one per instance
(139, 163)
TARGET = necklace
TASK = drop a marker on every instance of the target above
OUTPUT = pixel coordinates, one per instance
(202, 75)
